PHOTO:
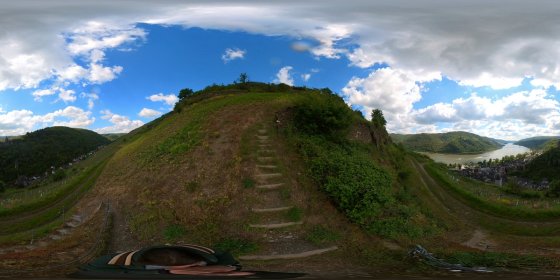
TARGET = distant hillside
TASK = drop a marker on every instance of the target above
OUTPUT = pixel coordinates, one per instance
(457, 142)
(113, 136)
(539, 142)
(35, 152)
(545, 165)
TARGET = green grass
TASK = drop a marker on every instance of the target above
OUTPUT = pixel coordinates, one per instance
(236, 246)
(320, 235)
(294, 214)
(518, 213)
(248, 183)
(53, 213)
(495, 260)
(173, 232)
(192, 186)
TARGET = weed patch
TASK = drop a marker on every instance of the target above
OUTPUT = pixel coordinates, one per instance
(319, 235)
(236, 246)
(173, 232)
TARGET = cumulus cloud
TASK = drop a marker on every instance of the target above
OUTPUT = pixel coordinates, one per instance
(170, 99)
(305, 77)
(18, 122)
(120, 124)
(475, 42)
(232, 54)
(38, 94)
(67, 95)
(512, 116)
(148, 113)
(284, 76)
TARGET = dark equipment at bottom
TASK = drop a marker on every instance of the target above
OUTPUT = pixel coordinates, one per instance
(175, 262)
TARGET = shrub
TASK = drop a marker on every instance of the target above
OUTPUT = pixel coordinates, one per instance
(323, 114)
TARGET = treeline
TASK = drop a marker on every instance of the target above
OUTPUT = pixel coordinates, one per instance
(36, 152)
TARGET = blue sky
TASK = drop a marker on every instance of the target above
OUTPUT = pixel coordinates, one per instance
(110, 68)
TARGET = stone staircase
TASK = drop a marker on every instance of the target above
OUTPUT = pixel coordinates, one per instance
(282, 233)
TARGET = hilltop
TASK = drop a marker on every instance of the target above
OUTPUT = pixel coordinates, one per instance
(34, 153)
(539, 142)
(456, 142)
(272, 172)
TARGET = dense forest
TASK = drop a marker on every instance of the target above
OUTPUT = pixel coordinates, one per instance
(36, 152)
(457, 142)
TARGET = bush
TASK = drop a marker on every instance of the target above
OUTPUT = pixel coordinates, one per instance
(350, 177)
(59, 175)
(323, 114)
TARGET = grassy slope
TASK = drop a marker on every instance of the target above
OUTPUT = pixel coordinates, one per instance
(457, 142)
(185, 179)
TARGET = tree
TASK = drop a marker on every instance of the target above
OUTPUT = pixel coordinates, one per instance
(2, 186)
(377, 118)
(243, 78)
(184, 93)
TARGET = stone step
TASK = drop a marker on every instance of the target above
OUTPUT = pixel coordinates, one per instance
(55, 237)
(268, 175)
(262, 137)
(262, 131)
(71, 224)
(269, 186)
(279, 225)
(266, 151)
(299, 255)
(63, 231)
(266, 166)
(77, 218)
(268, 210)
(265, 158)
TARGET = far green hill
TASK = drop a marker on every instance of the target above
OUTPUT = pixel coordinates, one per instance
(545, 165)
(539, 142)
(113, 136)
(36, 152)
(457, 142)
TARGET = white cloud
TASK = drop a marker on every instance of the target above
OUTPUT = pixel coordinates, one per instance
(38, 94)
(95, 36)
(170, 99)
(18, 122)
(148, 113)
(91, 99)
(121, 124)
(305, 77)
(284, 76)
(475, 42)
(513, 116)
(232, 54)
(67, 95)
(100, 74)
(389, 89)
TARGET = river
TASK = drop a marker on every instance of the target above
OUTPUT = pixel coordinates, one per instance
(507, 150)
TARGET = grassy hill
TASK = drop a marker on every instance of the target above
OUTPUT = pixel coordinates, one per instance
(113, 136)
(36, 152)
(457, 142)
(231, 159)
(546, 165)
(539, 142)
